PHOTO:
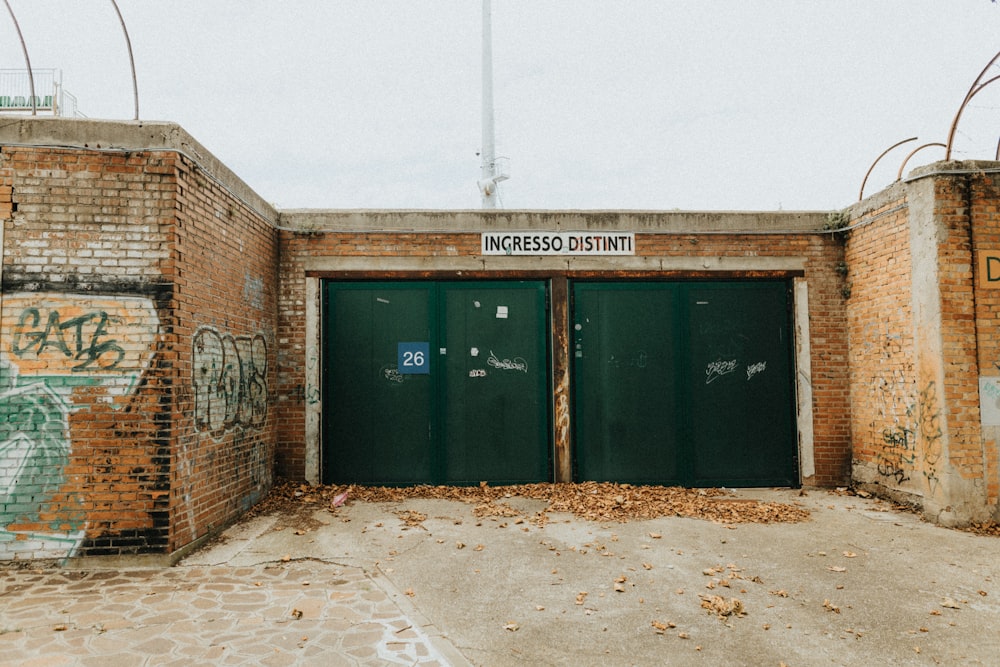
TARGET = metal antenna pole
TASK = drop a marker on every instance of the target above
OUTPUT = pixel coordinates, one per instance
(24, 47)
(131, 59)
(487, 182)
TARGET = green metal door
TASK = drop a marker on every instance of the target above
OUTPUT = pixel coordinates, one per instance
(496, 382)
(740, 393)
(376, 419)
(624, 382)
(475, 408)
(684, 383)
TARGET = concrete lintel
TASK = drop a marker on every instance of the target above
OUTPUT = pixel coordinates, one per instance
(551, 264)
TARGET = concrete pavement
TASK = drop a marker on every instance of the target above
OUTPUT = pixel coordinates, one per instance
(427, 582)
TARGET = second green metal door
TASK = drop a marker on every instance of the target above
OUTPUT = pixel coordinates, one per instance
(684, 383)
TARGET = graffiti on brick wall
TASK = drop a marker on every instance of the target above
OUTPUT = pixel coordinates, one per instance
(230, 381)
(892, 401)
(84, 341)
(931, 434)
(893, 424)
(53, 344)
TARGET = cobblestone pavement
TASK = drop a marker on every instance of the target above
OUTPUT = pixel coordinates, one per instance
(299, 612)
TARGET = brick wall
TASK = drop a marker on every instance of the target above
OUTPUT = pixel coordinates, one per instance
(822, 254)
(225, 305)
(84, 388)
(136, 352)
(922, 323)
(880, 334)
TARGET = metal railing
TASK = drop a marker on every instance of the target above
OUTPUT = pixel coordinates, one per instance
(15, 92)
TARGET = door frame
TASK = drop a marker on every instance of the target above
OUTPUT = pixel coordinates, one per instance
(558, 271)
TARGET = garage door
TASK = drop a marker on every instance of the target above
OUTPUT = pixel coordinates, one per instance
(684, 383)
(435, 382)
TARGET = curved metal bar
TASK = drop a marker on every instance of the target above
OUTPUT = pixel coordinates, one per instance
(131, 59)
(27, 61)
(973, 89)
(899, 176)
(861, 194)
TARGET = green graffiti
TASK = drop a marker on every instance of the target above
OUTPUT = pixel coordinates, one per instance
(34, 448)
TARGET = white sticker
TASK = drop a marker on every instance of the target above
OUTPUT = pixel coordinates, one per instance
(443, 350)
(474, 352)
(501, 312)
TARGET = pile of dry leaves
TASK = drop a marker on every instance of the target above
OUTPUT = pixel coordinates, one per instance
(991, 528)
(594, 501)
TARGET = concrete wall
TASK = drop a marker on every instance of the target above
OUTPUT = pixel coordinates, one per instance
(923, 333)
(137, 317)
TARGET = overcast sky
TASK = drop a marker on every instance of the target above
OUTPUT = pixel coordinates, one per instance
(644, 104)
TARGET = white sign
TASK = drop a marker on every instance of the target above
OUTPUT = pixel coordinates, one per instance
(558, 243)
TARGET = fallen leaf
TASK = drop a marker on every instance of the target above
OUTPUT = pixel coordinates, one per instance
(581, 596)
(721, 606)
(949, 604)
(850, 554)
(511, 626)
(837, 568)
(409, 592)
(296, 613)
(340, 499)
(655, 536)
(831, 607)
(647, 566)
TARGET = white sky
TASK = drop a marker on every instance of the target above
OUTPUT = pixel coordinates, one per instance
(644, 104)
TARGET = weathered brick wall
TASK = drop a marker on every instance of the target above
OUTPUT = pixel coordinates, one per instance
(225, 305)
(136, 352)
(85, 388)
(952, 426)
(880, 334)
(923, 333)
(827, 315)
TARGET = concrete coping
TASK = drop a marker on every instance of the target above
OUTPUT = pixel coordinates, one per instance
(108, 135)
(474, 221)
